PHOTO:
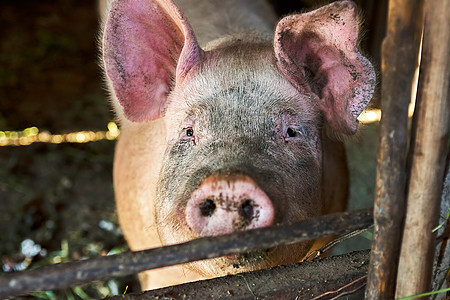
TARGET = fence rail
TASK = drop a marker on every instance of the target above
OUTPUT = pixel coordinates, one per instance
(310, 280)
(79, 272)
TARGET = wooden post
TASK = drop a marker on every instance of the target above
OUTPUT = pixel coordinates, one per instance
(429, 153)
(399, 60)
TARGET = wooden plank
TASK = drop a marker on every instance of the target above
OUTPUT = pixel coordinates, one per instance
(79, 272)
(325, 278)
(399, 57)
(430, 149)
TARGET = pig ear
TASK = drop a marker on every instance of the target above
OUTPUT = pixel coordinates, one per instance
(317, 52)
(147, 44)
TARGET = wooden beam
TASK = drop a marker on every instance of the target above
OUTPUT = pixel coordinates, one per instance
(79, 272)
(399, 59)
(429, 154)
(327, 278)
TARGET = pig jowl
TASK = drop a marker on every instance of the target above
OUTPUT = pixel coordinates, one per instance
(230, 135)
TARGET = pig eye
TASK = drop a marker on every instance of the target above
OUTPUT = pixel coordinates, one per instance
(189, 132)
(294, 133)
(291, 132)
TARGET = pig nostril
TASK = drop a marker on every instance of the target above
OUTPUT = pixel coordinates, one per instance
(207, 207)
(246, 209)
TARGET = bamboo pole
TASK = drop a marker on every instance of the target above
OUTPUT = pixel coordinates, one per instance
(399, 59)
(429, 153)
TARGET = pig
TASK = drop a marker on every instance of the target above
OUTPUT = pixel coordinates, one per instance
(228, 124)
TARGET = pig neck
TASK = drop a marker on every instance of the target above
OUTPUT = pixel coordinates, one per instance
(212, 20)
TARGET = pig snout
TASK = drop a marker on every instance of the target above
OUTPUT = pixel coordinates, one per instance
(222, 205)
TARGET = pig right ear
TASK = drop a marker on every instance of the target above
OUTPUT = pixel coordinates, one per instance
(147, 45)
(317, 52)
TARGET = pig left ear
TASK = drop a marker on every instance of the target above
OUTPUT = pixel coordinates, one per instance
(148, 45)
(317, 52)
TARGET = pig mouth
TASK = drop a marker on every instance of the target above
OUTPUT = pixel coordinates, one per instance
(231, 264)
(249, 259)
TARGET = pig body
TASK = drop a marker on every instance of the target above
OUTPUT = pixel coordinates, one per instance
(229, 133)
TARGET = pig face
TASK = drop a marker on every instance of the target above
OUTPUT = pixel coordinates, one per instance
(244, 120)
(247, 140)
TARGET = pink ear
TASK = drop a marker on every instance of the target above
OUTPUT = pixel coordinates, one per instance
(317, 52)
(147, 44)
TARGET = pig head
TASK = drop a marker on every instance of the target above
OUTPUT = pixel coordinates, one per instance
(232, 135)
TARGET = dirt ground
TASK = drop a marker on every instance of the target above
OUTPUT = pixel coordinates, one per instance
(58, 198)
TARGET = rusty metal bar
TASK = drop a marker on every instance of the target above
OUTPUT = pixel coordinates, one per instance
(327, 278)
(79, 272)
(399, 59)
(430, 147)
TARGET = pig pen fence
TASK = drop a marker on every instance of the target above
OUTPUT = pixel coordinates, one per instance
(75, 273)
(410, 176)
